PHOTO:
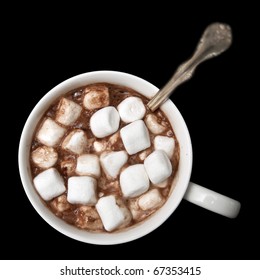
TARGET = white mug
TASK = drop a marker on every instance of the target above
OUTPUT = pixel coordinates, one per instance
(182, 187)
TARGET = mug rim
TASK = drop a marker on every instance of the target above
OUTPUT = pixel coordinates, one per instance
(128, 234)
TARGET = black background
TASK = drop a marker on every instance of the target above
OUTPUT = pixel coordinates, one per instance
(45, 50)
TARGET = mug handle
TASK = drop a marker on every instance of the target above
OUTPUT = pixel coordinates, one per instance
(212, 201)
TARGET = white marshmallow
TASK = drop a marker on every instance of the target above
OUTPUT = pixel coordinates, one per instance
(111, 214)
(164, 143)
(96, 97)
(82, 190)
(158, 166)
(104, 122)
(50, 133)
(75, 141)
(131, 109)
(68, 111)
(135, 137)
(44, 157)
(134, 180)
(150, 200)
(112, 162)
(153, 125)
(88, 164)
(49, 184)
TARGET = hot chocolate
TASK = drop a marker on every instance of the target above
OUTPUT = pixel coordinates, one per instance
(100, 160)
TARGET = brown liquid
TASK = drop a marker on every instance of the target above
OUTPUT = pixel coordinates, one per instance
(86, 217)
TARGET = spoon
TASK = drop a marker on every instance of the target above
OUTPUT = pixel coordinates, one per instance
(216, 38)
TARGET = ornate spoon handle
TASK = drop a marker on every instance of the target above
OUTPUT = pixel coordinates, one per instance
(216, 39)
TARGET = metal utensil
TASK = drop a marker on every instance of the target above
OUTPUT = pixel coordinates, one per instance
(216, 38)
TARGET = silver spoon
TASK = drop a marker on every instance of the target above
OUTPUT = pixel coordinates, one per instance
(216, 39)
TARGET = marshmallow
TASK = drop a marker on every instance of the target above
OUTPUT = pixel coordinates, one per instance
(134, 180)
(82, 190)
(50, 133)
(99, 146)
(60, 203)
(96, 97)
(150, 200)
(88, 218)
(88, 164)
(163, 184)
(113, 139)
(44, 157)
(108, 187)
(68, 166)
(126, 212)
(75, 141)
(165, 144)
(115, 143)
(153, 125)
(144, 154)
(67, 112)
(49, 184)
(131, 109)
(112, 162)
(135, 137)
(111, 214)
(104, 122)
(135, 209)
(158, 166)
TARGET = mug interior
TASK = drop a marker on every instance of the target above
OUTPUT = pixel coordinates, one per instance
(180, 182)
